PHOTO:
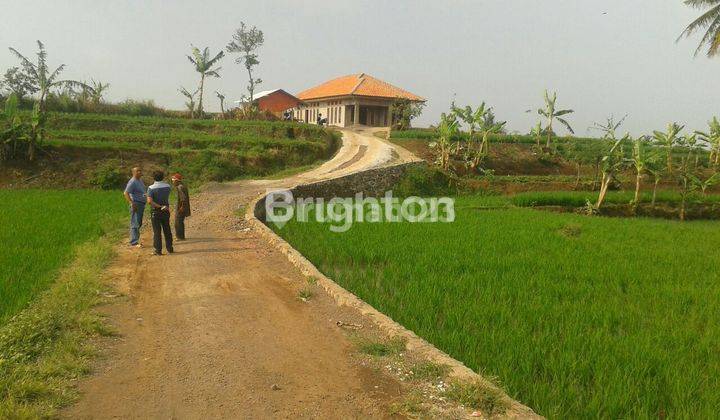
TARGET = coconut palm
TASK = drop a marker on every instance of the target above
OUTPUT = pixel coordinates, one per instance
(204, 65)
(709, 22)
(551, 114)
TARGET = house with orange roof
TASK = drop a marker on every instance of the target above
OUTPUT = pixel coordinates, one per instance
(350, 100)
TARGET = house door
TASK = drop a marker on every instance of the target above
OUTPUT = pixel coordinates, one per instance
(363, 115)
(307, 115)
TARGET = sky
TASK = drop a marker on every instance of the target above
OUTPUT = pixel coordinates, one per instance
(611, 57)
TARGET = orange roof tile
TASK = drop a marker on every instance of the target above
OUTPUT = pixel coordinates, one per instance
(356, 84)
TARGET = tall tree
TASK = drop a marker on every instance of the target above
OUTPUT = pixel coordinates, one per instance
(552, 114)
(18, 82)
(246, 42)
(40, 76)
(204, 65)
(709, 22)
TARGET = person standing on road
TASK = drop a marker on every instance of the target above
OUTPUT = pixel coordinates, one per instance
(135, 196)
(158, 197)
(183, 206)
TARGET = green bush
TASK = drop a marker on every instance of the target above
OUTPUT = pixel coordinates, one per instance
(108, 176)
(424, 181)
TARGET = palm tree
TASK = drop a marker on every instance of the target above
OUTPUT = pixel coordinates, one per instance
(708, 21)
(551, 114)
(204, 65)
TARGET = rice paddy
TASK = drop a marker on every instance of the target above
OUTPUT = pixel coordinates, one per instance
(576, 316)
(41, 230)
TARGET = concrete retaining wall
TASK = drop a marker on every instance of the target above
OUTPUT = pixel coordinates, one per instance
(373, 182)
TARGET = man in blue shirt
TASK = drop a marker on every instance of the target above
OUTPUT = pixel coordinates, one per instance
(135, 196)
(158, 197)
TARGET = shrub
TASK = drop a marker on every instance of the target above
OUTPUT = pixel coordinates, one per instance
(424, 181)
(108, 176)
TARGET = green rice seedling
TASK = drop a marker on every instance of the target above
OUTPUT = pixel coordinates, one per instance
(567, 333)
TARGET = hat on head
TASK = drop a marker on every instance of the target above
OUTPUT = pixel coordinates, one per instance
(177, 177)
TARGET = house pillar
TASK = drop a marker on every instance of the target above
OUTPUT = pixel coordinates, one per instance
(388, 113)
(357, 112)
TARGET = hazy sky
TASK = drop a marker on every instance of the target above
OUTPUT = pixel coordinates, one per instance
(505, 52)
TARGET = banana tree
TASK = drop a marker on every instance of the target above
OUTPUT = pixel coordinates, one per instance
(611, 164)
(552, 114)
(537, 132)
(704, 183)
(204, 65)
(12, 129)
(190, 104)
(712, 138)
(97, 90)
(482, 122)
(668, 140)
(221, 97)
(640, 161)
(445, 146)
(43, 80)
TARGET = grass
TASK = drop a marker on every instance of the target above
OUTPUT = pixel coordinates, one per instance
(44, 348)
(41, 230)
(577, 316)
(203, 150)
(478, 396)
(579, 198)
(380, 347)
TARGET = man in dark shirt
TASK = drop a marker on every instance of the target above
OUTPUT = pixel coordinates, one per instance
(158, 197)
(183, 206)
(135, 196)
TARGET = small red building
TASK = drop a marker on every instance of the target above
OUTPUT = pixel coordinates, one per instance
(276, 101)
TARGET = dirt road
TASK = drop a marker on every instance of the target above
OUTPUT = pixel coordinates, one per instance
(216, 330)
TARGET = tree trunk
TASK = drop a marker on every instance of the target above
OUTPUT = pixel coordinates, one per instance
(577, 180)
(682, 208)
(669, 161)
(202, 87)
(636, 200)
(251, 86)
(222, 108)
(654, 195)
(603, 190)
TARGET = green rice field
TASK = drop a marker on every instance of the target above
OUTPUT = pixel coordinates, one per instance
(40, 230)
(576, 316)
